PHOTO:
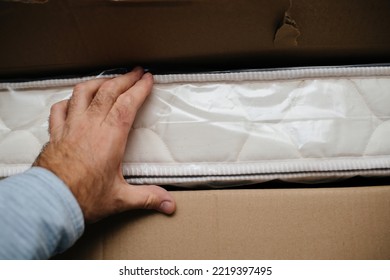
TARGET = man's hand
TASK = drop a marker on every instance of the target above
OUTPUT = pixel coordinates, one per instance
(88, 136)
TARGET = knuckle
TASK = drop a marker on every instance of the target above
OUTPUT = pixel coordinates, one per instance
(98, 100)
(58, 106)
(55, 107)
(79, 89)
(106, 94)
(126, 100)
(109, 86)
(77, 94)
(151, 202)
(126, 106)
(122, 115)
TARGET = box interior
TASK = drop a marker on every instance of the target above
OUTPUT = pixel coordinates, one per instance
(54, 38)
(75, 37)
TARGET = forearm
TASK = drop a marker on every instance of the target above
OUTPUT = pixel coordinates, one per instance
(39, 216)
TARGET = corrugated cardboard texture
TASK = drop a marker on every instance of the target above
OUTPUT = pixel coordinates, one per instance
(72, 36)
(329, 223)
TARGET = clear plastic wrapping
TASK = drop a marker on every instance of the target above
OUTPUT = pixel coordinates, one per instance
(244, 127)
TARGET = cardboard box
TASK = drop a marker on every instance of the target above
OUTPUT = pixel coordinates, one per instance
(77, 37)
(308, 223)
(272, 221)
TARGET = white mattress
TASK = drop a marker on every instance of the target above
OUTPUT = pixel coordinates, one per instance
(300, 125)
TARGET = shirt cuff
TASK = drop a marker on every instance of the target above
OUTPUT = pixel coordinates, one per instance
(63, 194)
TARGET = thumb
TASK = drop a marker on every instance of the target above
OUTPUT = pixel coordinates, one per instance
(147, 197)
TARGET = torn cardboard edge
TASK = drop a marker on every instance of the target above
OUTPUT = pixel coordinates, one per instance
(287, 34)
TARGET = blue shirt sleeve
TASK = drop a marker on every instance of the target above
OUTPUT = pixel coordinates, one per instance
(39, 216)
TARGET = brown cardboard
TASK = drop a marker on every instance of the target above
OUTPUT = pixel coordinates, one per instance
(311, 223)
(288, 33)
(73, 36)
(66, 36)
(61, 37)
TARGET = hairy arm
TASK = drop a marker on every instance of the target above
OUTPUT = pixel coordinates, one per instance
(88, 136)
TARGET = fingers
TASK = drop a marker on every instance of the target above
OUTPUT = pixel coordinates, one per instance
(98, 118)
(147, 197)
(104, 89)
(57, 118)
(110, 90)
(83, 94)
(123, 112)
(99, 95)
(141, 90)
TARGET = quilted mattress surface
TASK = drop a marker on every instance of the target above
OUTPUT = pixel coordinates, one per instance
(308, 124)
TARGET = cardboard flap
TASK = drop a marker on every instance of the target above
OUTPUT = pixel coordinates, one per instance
(338, 223)
(73, 36)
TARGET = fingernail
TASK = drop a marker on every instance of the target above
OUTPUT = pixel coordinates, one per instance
(167, 207)
(147, 76)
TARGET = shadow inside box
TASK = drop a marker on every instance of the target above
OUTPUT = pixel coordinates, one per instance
(358, 181)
